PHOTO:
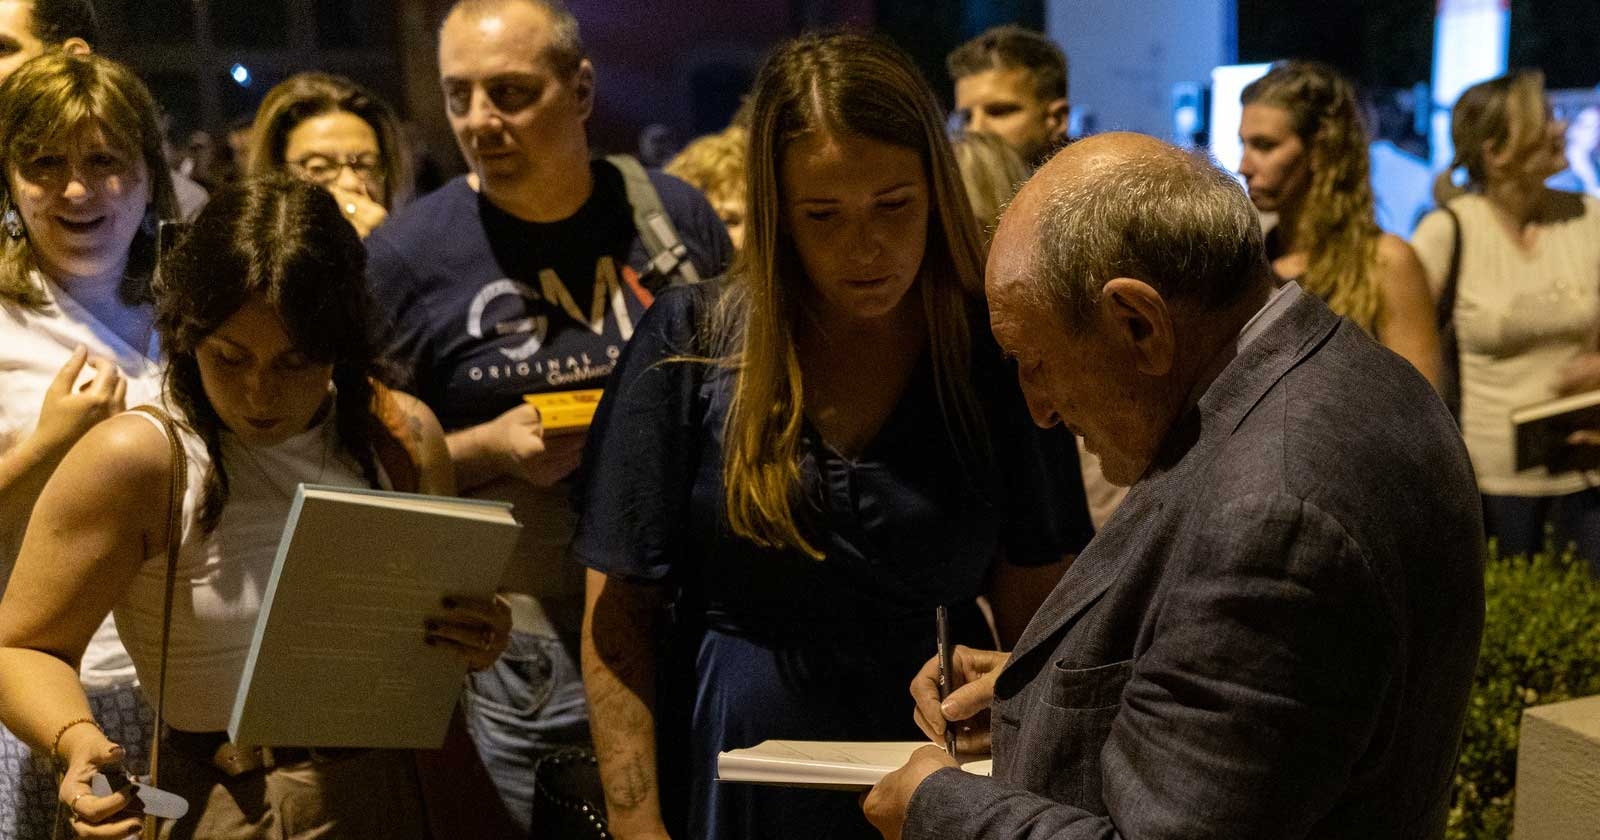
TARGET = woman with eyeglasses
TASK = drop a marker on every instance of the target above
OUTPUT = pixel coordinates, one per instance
(336, 134)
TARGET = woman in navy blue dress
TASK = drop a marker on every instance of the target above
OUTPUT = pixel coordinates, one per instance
(791, 470)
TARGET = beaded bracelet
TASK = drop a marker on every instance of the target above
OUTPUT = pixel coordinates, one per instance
(55, 746)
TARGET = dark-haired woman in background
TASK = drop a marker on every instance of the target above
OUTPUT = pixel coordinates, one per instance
(84, 185)
(808, 464)
(1527, 303)
(334, 133)
(264, 315)
(1305, 159)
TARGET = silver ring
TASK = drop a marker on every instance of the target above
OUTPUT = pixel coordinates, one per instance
(73, 805)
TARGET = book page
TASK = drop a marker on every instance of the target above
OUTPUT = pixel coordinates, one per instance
(838, 765)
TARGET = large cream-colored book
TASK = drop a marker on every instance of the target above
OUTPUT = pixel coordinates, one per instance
(339, 657)
(830, 765)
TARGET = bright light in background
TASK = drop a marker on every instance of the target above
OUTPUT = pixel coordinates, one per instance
(1227, 82)
(1187, 121)
(240, 74)
(1470, 41)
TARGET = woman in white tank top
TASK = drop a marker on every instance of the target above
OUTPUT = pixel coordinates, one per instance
(1526, 307)
(78, 205)
(264, 314)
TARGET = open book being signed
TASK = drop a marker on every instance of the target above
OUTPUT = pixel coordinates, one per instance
(833, 765)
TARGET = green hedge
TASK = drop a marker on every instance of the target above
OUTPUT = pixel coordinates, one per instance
(1541, 644)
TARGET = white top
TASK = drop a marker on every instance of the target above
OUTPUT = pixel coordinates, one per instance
(222, 577)
(34, 345)
(1520, 316)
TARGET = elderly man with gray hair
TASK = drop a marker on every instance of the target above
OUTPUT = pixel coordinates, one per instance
(1275, 635)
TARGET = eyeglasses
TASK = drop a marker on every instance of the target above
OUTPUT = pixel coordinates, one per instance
(324, 170)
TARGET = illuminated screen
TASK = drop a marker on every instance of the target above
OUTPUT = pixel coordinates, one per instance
(1469, 45)
(1227, 82)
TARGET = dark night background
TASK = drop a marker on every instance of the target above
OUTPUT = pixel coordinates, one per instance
(685, 63)
(1389, 43)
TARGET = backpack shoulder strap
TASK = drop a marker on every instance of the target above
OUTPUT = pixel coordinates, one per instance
(669, 257)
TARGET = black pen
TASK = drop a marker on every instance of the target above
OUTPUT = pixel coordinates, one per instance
(947, 671)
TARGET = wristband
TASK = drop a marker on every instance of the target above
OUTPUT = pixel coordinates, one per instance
(55, 746)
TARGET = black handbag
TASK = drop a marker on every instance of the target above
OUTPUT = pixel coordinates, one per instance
(568, 800)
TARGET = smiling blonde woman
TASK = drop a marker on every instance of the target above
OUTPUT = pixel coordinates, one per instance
(84, 184)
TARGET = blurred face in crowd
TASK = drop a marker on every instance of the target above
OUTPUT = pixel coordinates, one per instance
(17, 41)
(517, 119)
(1276, 165)
(857, 211)
(1004, 101)
(1543, 154)
(337, 150)
(81, 200)
(264, 390)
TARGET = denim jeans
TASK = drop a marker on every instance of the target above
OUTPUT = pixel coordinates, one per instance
(530, 704)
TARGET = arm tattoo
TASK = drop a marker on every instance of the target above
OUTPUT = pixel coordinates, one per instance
(630, 788)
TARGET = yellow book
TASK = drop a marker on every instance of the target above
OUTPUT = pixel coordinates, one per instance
(561, 410)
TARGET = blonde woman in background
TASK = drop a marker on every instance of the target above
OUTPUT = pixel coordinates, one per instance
(991, 172)
(1527, 302)
(714, 165)
(336, 134)
(1305, 159)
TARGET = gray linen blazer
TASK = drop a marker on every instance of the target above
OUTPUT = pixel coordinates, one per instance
(1273, 637)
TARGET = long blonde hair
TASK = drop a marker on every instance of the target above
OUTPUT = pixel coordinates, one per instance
(863, 87)
(713, 164)
(992, 172)
(1338, 223)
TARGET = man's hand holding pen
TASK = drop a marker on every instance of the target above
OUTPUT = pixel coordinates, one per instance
(967, 706)
(966, 709)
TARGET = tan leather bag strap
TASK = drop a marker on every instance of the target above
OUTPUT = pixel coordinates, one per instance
(178, 474)
(389, 442)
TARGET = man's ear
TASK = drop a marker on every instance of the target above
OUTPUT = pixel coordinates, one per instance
(1140, 322)
(76, 46)
(583, 87)
(1057, 114)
